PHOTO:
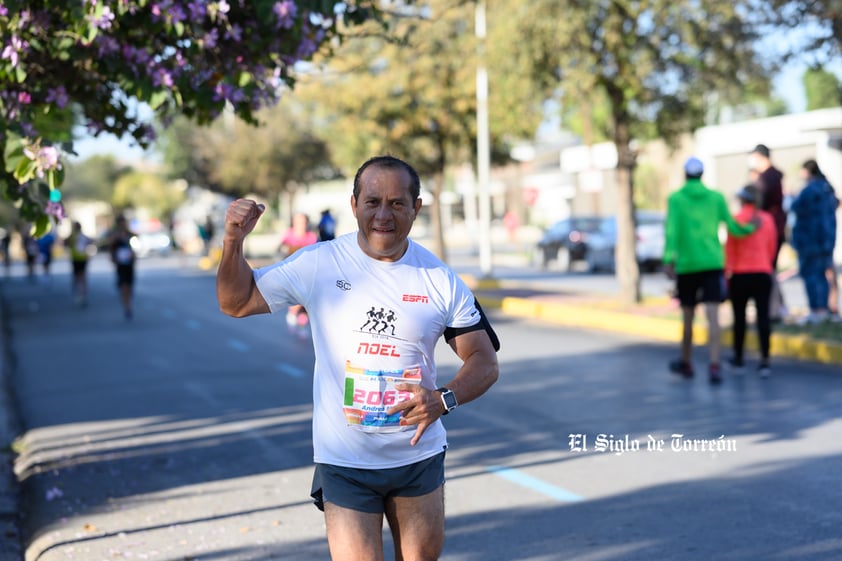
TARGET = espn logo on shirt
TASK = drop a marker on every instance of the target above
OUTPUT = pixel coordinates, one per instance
(416, 298)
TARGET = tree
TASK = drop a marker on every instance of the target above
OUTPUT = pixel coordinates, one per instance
(818, 25)
(92, 61)
(92, 179)
(822, 88)
(413, 95)
(271, 159)
(657, 62)
(148, 191)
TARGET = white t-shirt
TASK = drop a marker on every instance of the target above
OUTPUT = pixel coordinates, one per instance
(371, 321)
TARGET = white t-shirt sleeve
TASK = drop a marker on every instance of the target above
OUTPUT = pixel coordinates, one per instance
(288, 282)
(463, 312)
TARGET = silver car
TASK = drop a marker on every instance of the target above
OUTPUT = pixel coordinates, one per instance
(649, 247)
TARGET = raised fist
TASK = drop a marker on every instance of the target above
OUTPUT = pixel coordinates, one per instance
(241, 217)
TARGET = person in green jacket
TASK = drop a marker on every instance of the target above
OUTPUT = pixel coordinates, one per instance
(695, 258)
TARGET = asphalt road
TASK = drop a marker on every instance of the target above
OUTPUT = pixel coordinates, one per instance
(185, 435)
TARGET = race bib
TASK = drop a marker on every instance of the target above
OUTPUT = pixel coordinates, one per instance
(369, 394)
(124, 255)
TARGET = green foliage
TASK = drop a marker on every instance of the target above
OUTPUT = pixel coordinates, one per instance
(92, 179)
(278, 155)
(415, 96)
(138, 189)
(823, 89)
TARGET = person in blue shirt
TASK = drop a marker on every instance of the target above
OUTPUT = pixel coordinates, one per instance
(814, 237)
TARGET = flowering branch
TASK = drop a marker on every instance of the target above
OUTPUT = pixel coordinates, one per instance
(84, 61)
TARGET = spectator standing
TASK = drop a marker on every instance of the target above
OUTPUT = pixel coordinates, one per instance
(297, 236)
(748, 269)
(327, 226)
(814, 237)
(770, 181)
(694, 257)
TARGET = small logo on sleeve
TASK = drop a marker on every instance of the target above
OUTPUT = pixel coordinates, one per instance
(416, 298)
(343, 284)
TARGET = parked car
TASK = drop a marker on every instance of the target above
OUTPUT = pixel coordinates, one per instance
(649, 246)
(566, 240)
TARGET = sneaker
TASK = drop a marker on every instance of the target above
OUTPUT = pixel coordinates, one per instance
(685, 369)
(764, 370)
(736, 365)
(715, 374)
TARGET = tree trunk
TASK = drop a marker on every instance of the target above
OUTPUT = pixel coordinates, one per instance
(628, 270)
(436, 222)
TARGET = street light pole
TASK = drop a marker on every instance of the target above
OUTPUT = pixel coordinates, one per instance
(483, 147)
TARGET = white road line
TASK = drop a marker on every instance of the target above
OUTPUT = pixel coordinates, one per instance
(238, 345)
(290, 370)
(520, 478)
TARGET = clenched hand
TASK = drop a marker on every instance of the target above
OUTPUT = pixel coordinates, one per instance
(240, 219)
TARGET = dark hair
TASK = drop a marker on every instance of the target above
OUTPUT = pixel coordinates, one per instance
(812, 168)
(762, 149)
(390, 162)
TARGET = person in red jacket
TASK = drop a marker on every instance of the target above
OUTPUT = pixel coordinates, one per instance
(748, 268)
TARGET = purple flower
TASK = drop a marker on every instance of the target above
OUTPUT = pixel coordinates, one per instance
(11, 51)
(228, 92)
(24, 98)
(235, 33)
(48, 157)
(105, 20)
(286, 12)
(177, 14)
(58, 96)
(161, 77)
(198, 10)
(56, 210)
(211, 38)
(107, 45)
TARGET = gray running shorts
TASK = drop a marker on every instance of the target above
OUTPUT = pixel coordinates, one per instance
(366, 490)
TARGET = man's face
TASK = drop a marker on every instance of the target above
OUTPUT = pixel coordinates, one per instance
(385, 212)
(757, 162)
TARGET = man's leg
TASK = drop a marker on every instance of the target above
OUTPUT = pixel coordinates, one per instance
(687, 333)
(417, 525)
(353, 535)
(712, 313)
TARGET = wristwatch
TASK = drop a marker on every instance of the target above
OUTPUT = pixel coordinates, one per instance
(448, 399)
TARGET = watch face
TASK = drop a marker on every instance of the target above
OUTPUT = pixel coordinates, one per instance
(449, 400)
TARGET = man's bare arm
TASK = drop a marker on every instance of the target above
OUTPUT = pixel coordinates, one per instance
(236, 290)
(479, 371)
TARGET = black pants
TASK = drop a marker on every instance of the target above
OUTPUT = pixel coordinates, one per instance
(757, 287)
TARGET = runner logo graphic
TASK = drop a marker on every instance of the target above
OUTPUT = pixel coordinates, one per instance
(378, 321)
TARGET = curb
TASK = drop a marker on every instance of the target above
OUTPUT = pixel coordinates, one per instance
(800, 347)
